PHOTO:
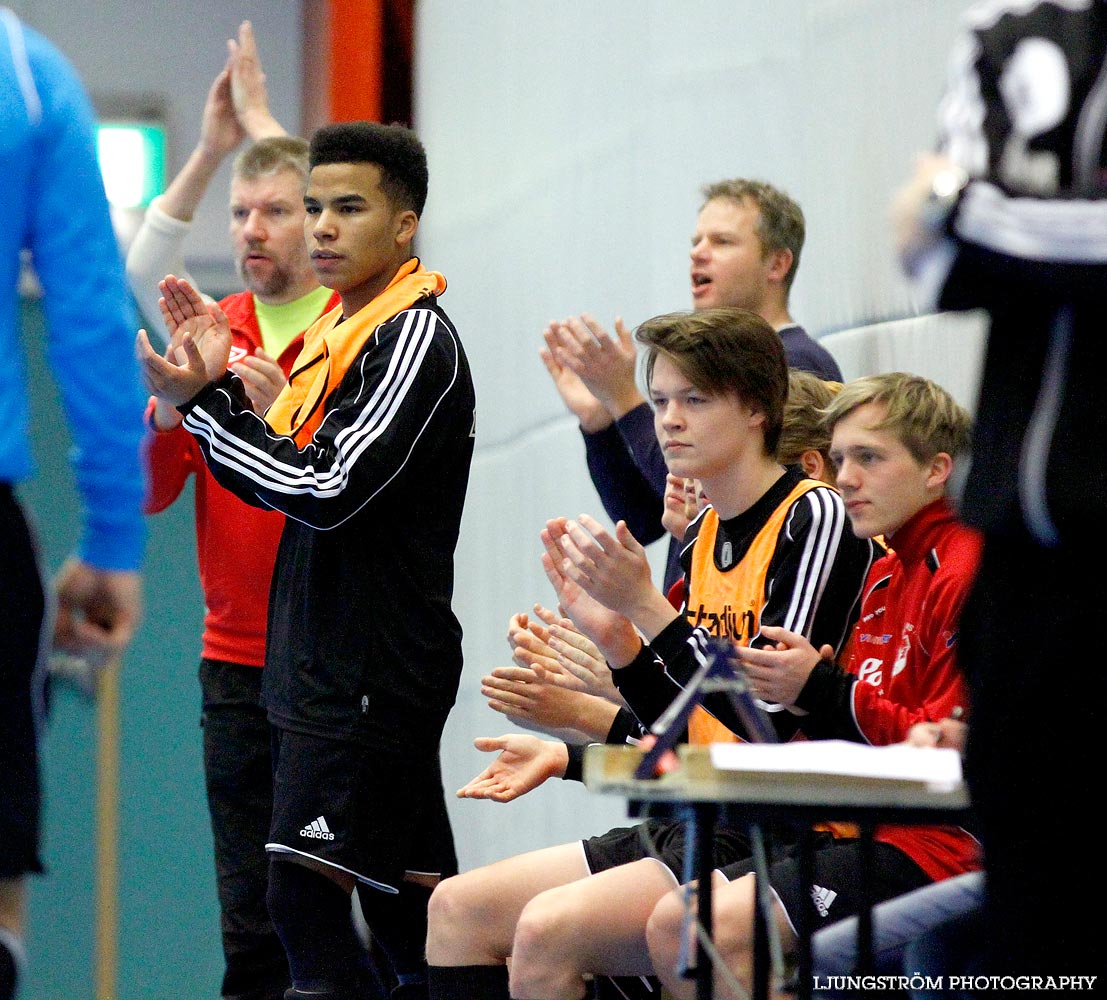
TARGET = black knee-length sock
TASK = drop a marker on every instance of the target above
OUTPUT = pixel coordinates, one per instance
(468, 982)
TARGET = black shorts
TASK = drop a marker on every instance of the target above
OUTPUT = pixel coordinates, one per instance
(836, 892)
(663, 840)
(22, 691)
(372, 812)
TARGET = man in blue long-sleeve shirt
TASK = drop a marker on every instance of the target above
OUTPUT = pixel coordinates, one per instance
(745, 252)
(52, 204)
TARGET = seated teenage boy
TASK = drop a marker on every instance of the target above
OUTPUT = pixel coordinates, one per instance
(776, 549)
(534, 695)
(364, 653)
(894, 439)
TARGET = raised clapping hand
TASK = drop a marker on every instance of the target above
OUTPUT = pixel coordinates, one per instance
(534, 698)
(576, 654)
(612, 632)
(682, 504)
(580, 402)
(777, 674)
(613, 569)
(605, 366)
(524, 762)
(559, 647)
(247, 86)
(579, 656)
(220, 129)
(528, 641)
(536, 693)
(200, 344)
(565, 692)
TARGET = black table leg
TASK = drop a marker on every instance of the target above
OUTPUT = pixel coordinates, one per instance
(805, 918)
(705, 863)
(865, 960)
(762, 915)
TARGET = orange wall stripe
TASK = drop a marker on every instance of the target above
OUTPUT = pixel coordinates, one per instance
(356, 44)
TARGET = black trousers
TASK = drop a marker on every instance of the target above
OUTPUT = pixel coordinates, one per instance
(1033, 650)
(238, 775)
(22, 691)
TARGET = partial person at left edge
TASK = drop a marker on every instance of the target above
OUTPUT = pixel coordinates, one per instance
(52, 204)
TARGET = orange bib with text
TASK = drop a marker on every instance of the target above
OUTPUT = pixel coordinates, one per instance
(729, 602)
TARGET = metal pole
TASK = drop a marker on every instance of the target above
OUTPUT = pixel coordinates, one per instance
(106, 957)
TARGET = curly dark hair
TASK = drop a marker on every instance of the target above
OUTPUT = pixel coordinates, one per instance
(396, 150)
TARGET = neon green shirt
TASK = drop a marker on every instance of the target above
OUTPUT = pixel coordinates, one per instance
(280, 325)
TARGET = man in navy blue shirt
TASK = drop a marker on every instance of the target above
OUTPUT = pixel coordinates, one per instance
(745, 252)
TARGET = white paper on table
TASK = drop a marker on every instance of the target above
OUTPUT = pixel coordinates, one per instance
(937, 767)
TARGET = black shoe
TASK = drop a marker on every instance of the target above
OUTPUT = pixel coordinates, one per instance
(626, 988)
(411, 991)
(364, 989)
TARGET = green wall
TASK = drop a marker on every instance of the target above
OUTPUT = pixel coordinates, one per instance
(168, 935)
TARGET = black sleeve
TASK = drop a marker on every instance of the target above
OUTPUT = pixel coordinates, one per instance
(624, 491)
(827, 698)
(637, 430)
(648, 685)
(644, 684)
(625, 726)
(234, 391)
(984, 278)
(374, 419)
(574, 770)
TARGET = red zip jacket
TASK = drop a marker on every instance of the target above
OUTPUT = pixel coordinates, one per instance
(903, 666)
(236, 544)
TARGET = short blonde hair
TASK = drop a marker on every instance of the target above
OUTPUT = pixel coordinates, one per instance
(925, 418)
(270, 155)
(781, 224)
(804, 426)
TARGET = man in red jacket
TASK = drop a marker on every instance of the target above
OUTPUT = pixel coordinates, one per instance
(237, 543)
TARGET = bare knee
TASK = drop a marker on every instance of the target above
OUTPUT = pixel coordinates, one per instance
(733, 919)
(544, 927)
(664, 931)
(671, 935)
(543, 962)
(460, 928)
(472, 917)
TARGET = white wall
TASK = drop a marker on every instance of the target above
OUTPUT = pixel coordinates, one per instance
(568, 143)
